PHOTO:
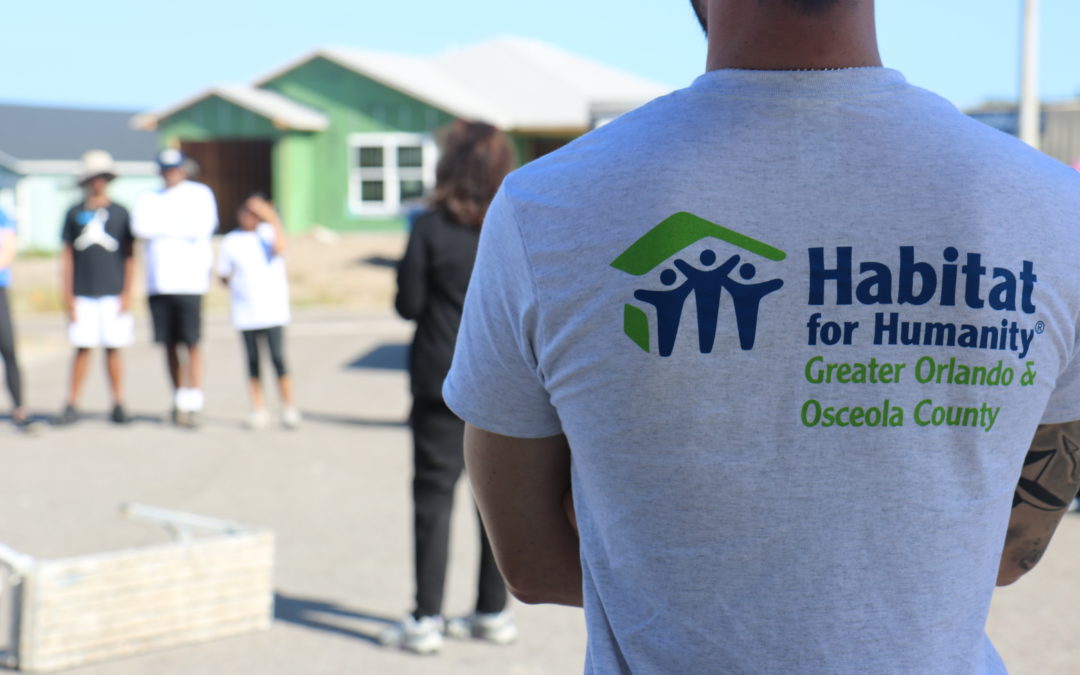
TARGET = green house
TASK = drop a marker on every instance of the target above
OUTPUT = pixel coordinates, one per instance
(346, 139)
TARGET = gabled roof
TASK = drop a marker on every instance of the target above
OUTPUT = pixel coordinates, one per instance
(37, 133)
(283, 112)
(541, 86)
(418, 77)
(514, 83)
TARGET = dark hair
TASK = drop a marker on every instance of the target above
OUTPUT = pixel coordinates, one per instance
(812, 6)
(475, 158)
(803, 6)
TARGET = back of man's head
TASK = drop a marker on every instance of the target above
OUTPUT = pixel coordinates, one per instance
(808, 7)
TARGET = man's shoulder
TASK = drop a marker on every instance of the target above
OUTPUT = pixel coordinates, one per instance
(192, 187)
(964, 136)
(1010, 161)
(603, 148)
(118, 208)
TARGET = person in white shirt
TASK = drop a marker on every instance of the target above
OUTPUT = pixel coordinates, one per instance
(251, 265)
(176, 224)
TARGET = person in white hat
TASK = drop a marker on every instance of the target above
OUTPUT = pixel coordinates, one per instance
(96, 268)
(176, 224)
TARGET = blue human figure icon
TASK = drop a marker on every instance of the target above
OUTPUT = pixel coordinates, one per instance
(708, 287)
(669, 308)
(747, 300)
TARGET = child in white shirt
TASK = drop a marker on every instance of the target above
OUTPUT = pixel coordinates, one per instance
(251, 265)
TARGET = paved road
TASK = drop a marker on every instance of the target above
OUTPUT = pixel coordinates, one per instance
(336, 494)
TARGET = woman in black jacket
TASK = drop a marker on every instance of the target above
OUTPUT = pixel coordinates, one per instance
(432, 279)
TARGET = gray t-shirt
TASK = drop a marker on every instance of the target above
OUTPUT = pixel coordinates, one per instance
(799, 329)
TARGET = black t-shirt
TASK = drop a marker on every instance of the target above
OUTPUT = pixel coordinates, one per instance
(101, 241)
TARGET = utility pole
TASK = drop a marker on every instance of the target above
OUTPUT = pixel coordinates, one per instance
(1030, 112)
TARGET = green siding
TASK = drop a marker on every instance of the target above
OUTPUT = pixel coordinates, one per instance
(215, 118)
(311, 169)
(354, 104)
(294, 180)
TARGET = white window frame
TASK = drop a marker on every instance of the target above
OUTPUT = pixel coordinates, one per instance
(390, 173)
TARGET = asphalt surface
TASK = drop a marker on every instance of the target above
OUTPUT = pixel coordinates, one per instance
(336, 493)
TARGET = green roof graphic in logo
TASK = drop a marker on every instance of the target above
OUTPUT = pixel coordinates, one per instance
(676, 233)
(665, 240)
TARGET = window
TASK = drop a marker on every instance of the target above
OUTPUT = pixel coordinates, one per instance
(389, 172)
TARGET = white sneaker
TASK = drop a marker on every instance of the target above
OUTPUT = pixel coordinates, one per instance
(290, 418)
(419, 636)
(498, 628)
(258, 419)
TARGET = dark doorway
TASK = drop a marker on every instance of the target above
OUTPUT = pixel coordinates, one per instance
(538, 147)
(233, 169)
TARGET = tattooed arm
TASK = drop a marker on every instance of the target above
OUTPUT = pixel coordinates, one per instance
(1048, 484)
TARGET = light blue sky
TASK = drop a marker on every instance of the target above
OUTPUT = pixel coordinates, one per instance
(144, 54)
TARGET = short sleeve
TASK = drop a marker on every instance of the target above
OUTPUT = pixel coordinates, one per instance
(225, 261)
(126, 235)
(495, 381)
(71, 228)
(1064, 404)
(209, 210)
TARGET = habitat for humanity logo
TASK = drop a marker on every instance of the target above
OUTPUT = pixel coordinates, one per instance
(707, 283)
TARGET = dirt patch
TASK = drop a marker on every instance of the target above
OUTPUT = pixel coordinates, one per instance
(326, 269)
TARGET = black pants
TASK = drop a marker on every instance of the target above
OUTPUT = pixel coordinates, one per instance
(438, 462)
(7, 351)
(274, 339)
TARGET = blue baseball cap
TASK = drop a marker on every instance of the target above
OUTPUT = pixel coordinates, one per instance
(170, 158)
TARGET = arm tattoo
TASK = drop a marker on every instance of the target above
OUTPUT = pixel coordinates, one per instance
(1048, 484)
(1051, 473)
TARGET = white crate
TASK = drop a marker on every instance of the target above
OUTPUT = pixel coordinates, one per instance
(72, 611)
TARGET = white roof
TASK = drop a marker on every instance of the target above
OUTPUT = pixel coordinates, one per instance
(417, 77)
(283, 112)
(541, 86)
(514, 83)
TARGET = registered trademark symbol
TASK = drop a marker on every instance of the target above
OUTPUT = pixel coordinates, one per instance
(1040, 328)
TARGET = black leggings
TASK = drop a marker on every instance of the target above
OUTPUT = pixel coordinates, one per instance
(274, 338)
(7, 350)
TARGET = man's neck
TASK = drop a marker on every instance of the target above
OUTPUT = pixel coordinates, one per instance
(770, 36)
(97, 201)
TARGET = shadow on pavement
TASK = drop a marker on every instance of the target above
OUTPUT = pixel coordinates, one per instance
(378, 261)
(349, 420)
(326, 616)
(392, 356)
(136, 419)
(133, 418)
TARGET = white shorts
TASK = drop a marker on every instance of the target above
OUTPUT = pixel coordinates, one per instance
(99, 323)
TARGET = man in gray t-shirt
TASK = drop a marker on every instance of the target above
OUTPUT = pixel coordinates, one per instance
(801, 342)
